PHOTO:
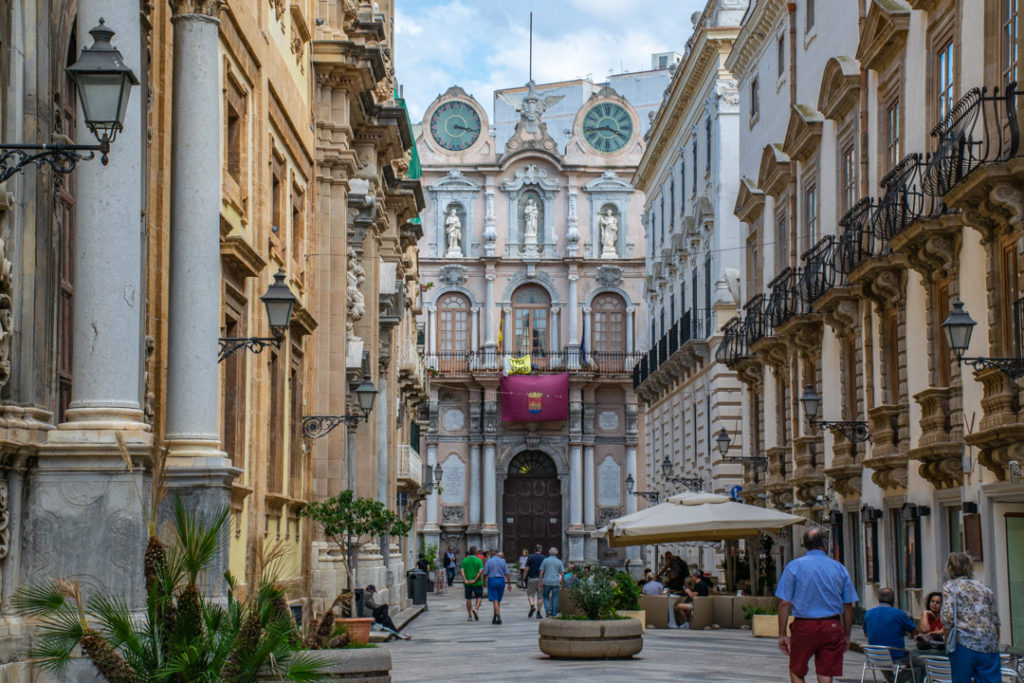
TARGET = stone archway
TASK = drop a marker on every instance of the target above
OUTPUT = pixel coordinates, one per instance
(531, 505)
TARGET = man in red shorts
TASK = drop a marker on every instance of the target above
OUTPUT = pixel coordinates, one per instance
(820, 594)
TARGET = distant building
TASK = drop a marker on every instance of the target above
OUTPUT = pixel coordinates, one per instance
(533, 246)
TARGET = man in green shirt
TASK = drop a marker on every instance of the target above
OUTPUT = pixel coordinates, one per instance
(473, 579)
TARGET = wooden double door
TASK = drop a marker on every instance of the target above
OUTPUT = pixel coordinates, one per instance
(531, 506)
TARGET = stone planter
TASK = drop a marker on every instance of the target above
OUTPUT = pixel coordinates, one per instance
(358, 628)
(766, 625)
(637, 614)
(573, 639)
(370, 665)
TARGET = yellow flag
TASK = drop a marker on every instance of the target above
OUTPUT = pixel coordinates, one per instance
(520, 366)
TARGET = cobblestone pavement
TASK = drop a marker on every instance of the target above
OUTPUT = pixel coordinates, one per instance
(445, 647)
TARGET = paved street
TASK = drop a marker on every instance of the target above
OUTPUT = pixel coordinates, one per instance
(447, 647)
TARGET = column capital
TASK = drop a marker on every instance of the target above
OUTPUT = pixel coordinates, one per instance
(210, 8)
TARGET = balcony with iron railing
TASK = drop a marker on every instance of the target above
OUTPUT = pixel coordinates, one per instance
(755, 322)
(819, 273)
(488, 360)
(857, 242)
(904, 199)
(982, 127)
(691, 328)
(784, 301)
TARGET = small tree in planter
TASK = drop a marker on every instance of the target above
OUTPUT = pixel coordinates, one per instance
(347, 520)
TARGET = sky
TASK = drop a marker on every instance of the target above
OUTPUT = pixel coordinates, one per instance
(483, 45)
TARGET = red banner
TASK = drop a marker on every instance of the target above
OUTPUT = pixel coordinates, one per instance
(535, 398)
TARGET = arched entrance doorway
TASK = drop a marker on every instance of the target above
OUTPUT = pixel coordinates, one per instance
(531, 505)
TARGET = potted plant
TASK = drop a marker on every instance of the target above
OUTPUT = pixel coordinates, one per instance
(601, 633)
(430, 555)
(627, 598)
(350, 522)
(764, 621)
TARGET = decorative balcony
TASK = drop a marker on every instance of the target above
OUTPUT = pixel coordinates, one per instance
(489, 361)
(845, 471)
(905, 199)
(683, 346)
(857, 242)
(889, 424)
(785, 302)
(755, 322)
(1001, 429)
(410, 467)
(734, 343)
(809, 474)
(981, 128)
(938, 450)
(777, 484)
(819, 272)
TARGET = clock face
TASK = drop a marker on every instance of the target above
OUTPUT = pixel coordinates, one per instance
(455, 125)
(607, 127)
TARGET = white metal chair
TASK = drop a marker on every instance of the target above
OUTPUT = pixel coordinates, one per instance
(1010, 675)
(878, 658)
(938, 669)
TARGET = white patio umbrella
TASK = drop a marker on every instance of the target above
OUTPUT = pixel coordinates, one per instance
(695, 517)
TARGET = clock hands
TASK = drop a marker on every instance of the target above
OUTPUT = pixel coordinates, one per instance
(607, 128)
(460, 127)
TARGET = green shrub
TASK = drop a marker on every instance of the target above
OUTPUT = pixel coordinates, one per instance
(594, 592)
(627, 592)
(750, 610)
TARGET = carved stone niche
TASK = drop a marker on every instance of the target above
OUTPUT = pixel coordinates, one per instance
(936, 450)
(845, 471)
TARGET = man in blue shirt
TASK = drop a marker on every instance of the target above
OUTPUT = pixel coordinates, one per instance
(497, 575)
(533, 563)
(819, 593)
(886, 625)
(551, 571)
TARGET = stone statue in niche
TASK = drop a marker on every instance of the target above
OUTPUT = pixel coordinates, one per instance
(531, 214)
(453, 230)
(609, 234)
(356, 303)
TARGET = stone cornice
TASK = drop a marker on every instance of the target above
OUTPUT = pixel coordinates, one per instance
(749, 201)
(804, 132)
(884, 34)
(690, 78)
(756, 30)
(840, 87)
(775, 170)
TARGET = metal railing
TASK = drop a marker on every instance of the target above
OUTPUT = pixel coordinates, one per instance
(691, 326)
(857, 242)
(819, 272)
(734, 342)
(755, 321)
(905, 199)
(980, 128)
(784, 302)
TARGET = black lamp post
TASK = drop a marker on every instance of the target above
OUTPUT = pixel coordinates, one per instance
(279, 302)
(723, 442)
(854, 430)
(958, 328)
(104, 84)
(315, 426)
(649, 496)
(691, 483)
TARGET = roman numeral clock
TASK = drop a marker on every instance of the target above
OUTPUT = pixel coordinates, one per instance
(607, 127)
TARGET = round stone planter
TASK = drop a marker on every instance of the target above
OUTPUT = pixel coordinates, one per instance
(573, 639)
(371, 665)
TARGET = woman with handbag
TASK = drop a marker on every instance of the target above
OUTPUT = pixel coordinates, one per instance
(972, 624)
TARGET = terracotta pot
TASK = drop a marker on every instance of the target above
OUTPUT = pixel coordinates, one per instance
(358, 628)
(599, 639)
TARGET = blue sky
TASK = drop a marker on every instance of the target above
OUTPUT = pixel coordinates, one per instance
(482, 45)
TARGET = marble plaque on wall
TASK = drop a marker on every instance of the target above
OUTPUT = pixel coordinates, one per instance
(609, 482)
(454, 419)
(608, 420)
(453, 481)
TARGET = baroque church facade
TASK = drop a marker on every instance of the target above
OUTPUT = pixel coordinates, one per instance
(533, 246)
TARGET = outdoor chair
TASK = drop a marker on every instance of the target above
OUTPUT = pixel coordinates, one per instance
(1010, 675)
(878, 658)
(938, 669)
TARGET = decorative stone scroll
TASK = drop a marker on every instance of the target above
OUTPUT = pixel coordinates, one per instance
(6, 313)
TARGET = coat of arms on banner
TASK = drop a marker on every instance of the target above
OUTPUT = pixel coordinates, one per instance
(534, 401)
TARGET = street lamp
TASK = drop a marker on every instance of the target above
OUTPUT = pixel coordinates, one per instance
(649, 496)
(315, 426)
(723, 441)
(279, 302)
(104, 84)
(691, 483)
(854, 430)
(958, 328)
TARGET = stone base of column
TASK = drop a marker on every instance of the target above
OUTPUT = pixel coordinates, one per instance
(576, 539)
(202, 452)
(97, 420)
(474, 539)
(490, 538)
(327, 574)
(590, 548)
(370, 567)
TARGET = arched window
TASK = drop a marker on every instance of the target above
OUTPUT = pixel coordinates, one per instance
(608, 339)
(530, 307)
(453, 333)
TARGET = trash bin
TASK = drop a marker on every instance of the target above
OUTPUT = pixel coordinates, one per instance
(359, 602)
(417, 581)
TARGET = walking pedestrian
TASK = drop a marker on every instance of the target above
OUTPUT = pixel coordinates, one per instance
(551, 570)
(449, 565)
(533, 563)
(972, 622)
(819, 593)
(473, 582)
(497, 574)
(522, 568)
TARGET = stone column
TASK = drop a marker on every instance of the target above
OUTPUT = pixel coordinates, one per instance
(490, 505)
(474, 485)
(575, 530)
(431, 502)
(554, 331)
(631, 472)
(589, 497)
(630, 345)
(490, 360)
(510, 331)
(431, 334)
(384, 414)
(573, 345)
(474, 321)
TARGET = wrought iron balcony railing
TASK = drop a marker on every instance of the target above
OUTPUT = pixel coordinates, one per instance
(734, 342)
(784, 302)
(905, 199)
(488, 360)
(819, 272)
(857, 242)
(980, 128)
(755, 321)
(691, 326)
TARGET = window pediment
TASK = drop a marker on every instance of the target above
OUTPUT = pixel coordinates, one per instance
(455, 181)
(840, 87)
(884, 34)
(774, 172)
(749, 201)
(803, 133)
(530, 175)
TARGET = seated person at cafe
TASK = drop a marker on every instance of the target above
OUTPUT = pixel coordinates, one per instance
(652, 586)
(701, 586)
(931, 635)
(674, 573)
(684, 606)
(886, 625)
